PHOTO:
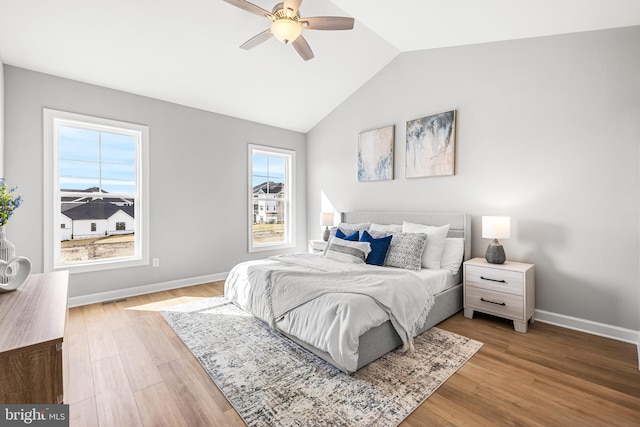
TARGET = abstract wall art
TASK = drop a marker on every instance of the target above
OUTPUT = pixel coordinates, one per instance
(431, 145)
(375, 154)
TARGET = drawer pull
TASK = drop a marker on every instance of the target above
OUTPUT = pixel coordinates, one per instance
(492, 302)
(493, 280)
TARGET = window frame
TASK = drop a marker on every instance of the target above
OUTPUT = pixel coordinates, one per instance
(289, 185)
(52, 120)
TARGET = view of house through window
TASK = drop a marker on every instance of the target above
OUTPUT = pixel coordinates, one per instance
(271, 197)
(97, 177)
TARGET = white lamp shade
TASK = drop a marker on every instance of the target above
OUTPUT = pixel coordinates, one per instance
(496, 227)
(326, 219)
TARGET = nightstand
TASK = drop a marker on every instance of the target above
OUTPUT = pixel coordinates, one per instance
(506, 290)
(317, 246)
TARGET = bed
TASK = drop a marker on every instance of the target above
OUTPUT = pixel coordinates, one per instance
(374, 325)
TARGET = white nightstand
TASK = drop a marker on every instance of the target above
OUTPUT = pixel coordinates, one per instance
(317, 246)
(506, 290)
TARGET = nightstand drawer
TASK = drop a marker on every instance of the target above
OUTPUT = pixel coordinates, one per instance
(495, 279)
(501, 304)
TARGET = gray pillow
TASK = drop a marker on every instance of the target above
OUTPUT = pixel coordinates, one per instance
(406, 250)
(347, 251)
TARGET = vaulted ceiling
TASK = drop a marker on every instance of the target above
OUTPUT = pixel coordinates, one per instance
(187, 51)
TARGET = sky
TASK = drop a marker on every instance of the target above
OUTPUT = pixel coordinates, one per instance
(91, 158)
(268, 168)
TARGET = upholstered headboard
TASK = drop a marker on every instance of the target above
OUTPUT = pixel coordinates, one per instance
(460, 222)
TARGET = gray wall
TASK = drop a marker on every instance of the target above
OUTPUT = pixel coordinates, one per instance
(198, 178)
(2, 119)
(548, 133)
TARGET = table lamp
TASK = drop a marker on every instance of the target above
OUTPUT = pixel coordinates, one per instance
(496, 227)
(326, 221)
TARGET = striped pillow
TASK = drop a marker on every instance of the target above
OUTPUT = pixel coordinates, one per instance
(347, 251)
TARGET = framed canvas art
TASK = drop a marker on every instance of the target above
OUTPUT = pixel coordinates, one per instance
(431, 145)
(375, 154)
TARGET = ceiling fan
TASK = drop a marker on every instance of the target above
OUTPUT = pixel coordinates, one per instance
(287, 25)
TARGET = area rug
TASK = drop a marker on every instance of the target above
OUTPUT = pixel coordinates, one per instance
(272, 381)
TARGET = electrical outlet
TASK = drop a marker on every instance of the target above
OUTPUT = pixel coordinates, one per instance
(156, 262)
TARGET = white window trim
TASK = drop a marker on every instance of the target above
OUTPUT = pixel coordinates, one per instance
(289, 188)
(51, 119)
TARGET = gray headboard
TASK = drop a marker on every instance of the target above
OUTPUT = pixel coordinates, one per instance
(460, 222)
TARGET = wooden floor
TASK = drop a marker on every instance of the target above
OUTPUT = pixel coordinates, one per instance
(128, 368)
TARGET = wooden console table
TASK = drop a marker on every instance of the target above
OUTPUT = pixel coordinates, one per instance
(32, 327)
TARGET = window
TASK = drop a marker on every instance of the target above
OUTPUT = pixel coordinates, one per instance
(96, 175)
(270, 198)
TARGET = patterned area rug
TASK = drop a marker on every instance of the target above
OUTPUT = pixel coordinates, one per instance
(272, 381)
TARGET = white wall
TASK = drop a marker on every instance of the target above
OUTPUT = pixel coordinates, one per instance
(198, 178)
(67, 231)
(548, 133)
(120, 216)
(82, 228)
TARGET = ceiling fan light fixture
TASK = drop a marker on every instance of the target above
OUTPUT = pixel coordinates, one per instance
(286, 30)
(287, 25)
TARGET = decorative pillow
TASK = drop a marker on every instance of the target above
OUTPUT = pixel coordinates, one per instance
(405, 250)
(435, 246)
(348, 228)
(379, 234)
(379, 248)
(452, 254)
(347, 251)
(353, 237)
(383, 228)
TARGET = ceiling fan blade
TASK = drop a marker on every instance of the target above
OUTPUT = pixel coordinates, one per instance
(256, 40)
(303, 48)
(292, 4)
(250, 7)
(327, 23)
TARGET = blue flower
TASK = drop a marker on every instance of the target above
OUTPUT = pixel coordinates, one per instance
(8, 202)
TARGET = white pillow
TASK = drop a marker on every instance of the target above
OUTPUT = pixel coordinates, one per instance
(435, 242)
(353, 226)
(383, 228)
(347, 251)
(452, 254)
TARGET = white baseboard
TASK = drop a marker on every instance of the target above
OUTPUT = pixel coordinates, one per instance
(588, 326)
(144, 289)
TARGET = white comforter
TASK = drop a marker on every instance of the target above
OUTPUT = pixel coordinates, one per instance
(327, 303)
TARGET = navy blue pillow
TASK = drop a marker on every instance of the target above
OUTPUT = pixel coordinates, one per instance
(353, 237)
(379, 248)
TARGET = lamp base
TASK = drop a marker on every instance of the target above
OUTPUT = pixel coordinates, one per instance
(325, 236)
(495, 253)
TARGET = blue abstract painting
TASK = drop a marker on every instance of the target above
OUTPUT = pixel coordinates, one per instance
(375, 154)
(431, 145)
